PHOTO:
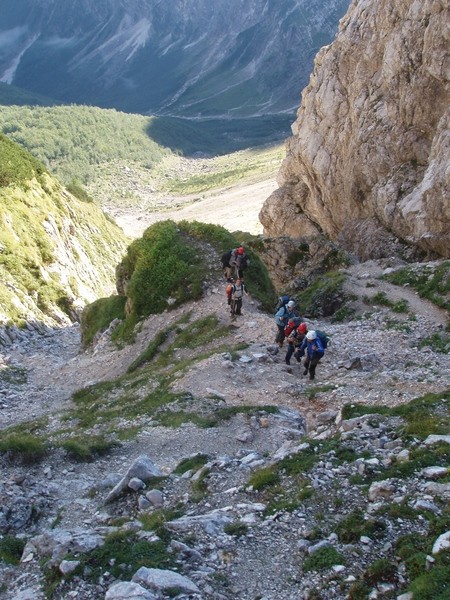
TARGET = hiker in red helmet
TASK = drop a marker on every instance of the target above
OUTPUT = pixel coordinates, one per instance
(239, 261)
(294, 340)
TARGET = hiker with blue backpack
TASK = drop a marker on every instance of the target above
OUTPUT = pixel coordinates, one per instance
(314, 346)
(283, 315)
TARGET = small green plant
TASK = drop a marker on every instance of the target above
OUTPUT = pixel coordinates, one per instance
(128, 550)
(192, 463)
(14, 375)
(263, 478)
(324, 296)
(440, 342)
(381, 570)
(358, 591)
(324, 558)
(11, 549)
(237, 528)
(354, 525)
(25, 447)
(85, 449)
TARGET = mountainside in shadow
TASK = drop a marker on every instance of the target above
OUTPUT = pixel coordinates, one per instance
(196, 59)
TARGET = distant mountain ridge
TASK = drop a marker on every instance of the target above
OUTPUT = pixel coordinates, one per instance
(227, 58)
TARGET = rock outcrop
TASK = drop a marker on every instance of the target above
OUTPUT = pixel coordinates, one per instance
(368, 160)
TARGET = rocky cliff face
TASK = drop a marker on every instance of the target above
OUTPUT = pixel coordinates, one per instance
(368, 160)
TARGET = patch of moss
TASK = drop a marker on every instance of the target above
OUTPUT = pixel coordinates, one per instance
(324, 296)
(11, 549)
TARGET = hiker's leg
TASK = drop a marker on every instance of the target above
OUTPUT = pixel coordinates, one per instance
(238, 306)
(312, 367)
(289, 353)
(227, 272)
(280, 335)
(306, 363)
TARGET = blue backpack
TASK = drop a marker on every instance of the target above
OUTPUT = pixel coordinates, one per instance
(323, 338)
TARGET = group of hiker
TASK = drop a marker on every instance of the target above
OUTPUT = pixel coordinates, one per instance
(300, 342)
(290, 326)
(235, 261)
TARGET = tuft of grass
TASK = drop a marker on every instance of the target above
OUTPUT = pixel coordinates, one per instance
(11, 549)
(236, 529)
(380, 570)
(151, 350)
(263, 478)
(354, 525)
(127, 549)
(25, 447)
(192, 463)
(324, 558)
(86, 449)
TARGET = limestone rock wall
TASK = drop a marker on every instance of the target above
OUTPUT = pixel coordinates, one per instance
(369, 155)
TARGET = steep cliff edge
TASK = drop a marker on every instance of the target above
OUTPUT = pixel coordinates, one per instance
(367, 162)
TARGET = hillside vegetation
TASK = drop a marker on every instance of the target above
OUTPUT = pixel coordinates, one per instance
(56, 252)
(168, 266)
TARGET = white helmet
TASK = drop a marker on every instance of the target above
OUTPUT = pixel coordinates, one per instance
(311, 335)
(291, 304)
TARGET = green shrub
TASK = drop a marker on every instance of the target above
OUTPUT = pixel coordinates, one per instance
(28, 448)
(354, 525)
(237, 528)
(85, 449)
(162, 264)
(17, 166)
(324, 558)
(381, 570)
(263, 478)
(11, 549)
(192, 463)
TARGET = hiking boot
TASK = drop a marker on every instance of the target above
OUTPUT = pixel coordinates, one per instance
(305, 372)
(311, 377)
(287, 362)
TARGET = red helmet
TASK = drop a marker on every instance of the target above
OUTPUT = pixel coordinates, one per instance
(291, 323)
(240, 250)
(302, 328)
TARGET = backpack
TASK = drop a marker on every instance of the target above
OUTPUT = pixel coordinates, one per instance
(282, 301)
(237, 292)
(323, 338)
(225, 258)
(229, 289)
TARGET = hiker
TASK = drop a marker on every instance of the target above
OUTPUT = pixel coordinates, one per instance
(282, 317)
(239, 261)
(234, 259)
(237, 294)
(314, 352)
(295, 339)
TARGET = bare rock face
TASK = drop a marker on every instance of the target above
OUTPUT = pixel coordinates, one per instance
(368, 162)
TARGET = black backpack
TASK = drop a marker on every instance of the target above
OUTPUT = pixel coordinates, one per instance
(225, 259)
(282, 301)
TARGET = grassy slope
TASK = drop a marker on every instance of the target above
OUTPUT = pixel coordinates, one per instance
(54, 249)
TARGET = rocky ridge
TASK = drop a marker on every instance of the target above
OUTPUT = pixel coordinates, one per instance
(228, 537)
